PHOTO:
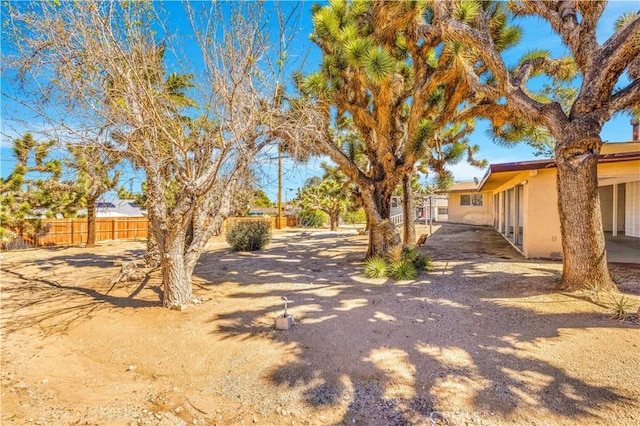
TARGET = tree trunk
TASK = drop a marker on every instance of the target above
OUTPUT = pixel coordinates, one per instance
(91, 222)
(333, 220)
(176, 282)
(409, 213)
(152, 254)
(382, 232)
(583, 245)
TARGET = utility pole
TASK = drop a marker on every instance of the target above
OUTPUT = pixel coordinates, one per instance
(430, 214)
(280, 212)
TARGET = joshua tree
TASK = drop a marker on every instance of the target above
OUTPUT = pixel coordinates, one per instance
(94, 164)
(329, 194)
(610, 83)
(399, 82)
(34, 188)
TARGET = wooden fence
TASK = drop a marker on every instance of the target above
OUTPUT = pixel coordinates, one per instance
(74, 231)
(58, 232)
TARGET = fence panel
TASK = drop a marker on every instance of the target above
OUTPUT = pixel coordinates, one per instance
(74, 230)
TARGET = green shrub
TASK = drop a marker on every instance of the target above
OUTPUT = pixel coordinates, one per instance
(403, 270)
(410, 253)
(400, 263)
(422, 263)
(376, 267)
(249, 236)
(312, 218)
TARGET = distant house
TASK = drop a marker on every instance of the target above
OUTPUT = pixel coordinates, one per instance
(520, 200)
(273, 211)
(469, 205)
(434, 206)
(116, 208)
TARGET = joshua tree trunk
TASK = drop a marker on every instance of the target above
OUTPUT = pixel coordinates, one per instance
(91, 222)
(333, 219)
(382, 232)
(409, 212)
(583, 245)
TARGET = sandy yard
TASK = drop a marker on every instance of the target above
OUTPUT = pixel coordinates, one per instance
(482, 339)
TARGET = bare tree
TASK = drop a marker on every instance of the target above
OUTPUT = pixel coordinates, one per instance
(604, 91)
(194, 137)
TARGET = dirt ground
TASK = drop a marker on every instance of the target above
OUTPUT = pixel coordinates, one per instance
(482, 339)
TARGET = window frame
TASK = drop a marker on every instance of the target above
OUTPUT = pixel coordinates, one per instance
(475, 200)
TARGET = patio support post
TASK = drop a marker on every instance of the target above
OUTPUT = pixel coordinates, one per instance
(615, 210)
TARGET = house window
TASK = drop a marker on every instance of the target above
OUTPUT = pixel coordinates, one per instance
(443, 210)
(471, 200)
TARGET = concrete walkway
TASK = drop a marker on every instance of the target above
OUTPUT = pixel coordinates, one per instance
(622, 249)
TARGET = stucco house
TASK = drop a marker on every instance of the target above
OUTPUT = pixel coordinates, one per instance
(520, 200)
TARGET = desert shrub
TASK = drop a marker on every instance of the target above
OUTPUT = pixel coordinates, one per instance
(410, 253)
(249, 236)
(312, 218)
(395, 254)
(422, 263)
(376, 267)
(402, 270)
(400, 263)
(619, 308)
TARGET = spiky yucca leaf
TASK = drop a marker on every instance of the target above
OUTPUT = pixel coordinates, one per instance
(402, 270)
(410, 253)
(333, 65)
(444, 180)
(423, 133)
(454, 153)
(624, 20)
(314, 84)
(378, 64)
(326, 24)
(348, 32)
(356, 51)
(432, 58)
(423, 263)
(508, 37)
(376, 267)
(619, 308)
(359, 7)
(339, 7)
(466, 10)
(395, 254)
(401, 45)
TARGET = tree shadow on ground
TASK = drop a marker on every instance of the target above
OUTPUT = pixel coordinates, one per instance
(54, 302)
(396, 353)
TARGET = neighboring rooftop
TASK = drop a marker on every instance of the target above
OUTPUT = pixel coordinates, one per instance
(116, 208)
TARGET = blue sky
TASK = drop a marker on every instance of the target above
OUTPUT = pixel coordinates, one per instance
(536, 35)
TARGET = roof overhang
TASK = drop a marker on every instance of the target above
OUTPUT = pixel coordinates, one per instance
(498, 174)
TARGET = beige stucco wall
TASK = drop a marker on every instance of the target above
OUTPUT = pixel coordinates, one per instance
(472, 215)
(541, 220)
